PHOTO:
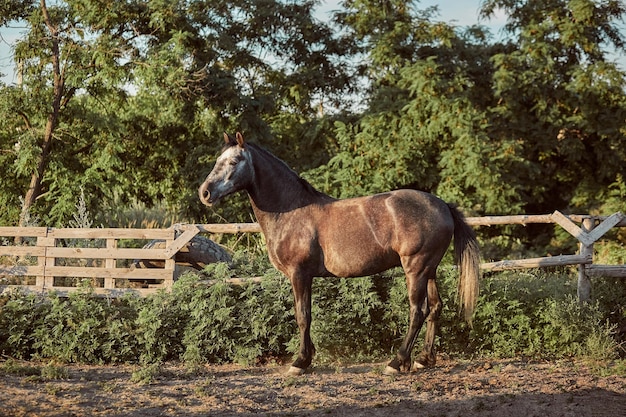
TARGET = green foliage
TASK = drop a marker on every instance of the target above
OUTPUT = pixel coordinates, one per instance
(386, 97)
(534, 314)
(146, 374)
(200, 323)
(161, 321)
(237, 323)
(48, 371)
(20, 315)
(136, 89)
(539, 316)
(83, 328)
(345, 312)
(557, 91)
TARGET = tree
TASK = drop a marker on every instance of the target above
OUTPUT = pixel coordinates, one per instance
(62, 56)
(119, 98)
(558, 95)
(426, 124)
(374, 152)
(532, 123)
(128, 100)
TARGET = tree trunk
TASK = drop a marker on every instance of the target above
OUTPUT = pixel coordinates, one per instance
(34, 189)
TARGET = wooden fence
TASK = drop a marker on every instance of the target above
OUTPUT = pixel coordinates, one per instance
(47, 258)
(66, 255)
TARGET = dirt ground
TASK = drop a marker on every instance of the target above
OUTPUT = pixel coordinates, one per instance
(452, 388)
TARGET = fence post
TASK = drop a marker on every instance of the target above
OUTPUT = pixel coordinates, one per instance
(170, 266)
(47, 281)
(110, 264)
(584, 283)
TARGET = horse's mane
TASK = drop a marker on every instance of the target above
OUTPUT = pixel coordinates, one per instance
(305, 185)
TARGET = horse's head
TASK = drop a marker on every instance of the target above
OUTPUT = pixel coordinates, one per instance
(232, 171)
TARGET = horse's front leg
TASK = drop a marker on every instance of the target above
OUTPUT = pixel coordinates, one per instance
(301, 286)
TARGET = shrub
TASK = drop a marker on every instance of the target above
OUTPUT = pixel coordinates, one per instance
(571, 328)
(537, 314)
(20, 315)
(238, 323)
(346, 318)
(84, 328)
(533, 313)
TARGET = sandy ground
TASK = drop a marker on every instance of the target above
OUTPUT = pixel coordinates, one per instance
(452, 388)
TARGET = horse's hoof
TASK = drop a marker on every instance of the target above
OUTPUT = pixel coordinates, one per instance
(390, 371)
(294, 371)
(418, 366)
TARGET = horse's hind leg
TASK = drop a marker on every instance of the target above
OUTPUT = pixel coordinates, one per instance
(428, 356)
(416, 283)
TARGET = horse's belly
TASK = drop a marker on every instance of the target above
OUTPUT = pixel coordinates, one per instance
(361, 270)
(355, 259)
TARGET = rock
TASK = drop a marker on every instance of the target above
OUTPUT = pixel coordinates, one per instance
(197, 253)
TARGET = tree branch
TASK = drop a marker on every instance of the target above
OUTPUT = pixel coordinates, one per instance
(25, 118)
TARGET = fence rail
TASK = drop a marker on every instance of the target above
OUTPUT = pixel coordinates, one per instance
(100, 254)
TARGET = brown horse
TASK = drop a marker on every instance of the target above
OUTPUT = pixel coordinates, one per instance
(310, 234)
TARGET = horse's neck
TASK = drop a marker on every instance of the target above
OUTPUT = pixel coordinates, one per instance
(277, 190)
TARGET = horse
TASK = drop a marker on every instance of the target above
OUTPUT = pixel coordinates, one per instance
(310, 234)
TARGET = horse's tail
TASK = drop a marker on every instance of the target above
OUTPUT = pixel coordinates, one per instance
(467, 257)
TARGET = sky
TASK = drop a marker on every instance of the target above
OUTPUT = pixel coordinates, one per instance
(459, 12)
(462, 12)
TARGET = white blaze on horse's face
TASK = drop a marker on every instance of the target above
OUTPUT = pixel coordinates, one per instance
(231, 173)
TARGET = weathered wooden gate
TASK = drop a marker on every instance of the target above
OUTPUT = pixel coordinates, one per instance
(89, 254)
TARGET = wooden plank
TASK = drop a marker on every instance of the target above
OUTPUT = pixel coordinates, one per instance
(229, 228)
(571, 228)
(605, 226)
(234, 281)
(21, 270)
(536, 262)
(170, 266)
(583, 287)
(106, 253)
(45, 241)
(49, 262)
(609, 271)
(100, 272)
(110, 263)
(106, 233)
(23, 231)
(22, 251)
(41, 262)
(472, 221)
(503, 220)
(180, 241)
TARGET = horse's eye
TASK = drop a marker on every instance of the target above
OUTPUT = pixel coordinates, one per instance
(233, 162)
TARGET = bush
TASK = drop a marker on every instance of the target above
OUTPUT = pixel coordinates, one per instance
(537, 314)
(20, 315)
(87, 329)
(532, 313)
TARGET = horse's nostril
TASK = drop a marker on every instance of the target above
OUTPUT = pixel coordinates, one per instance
(203, 193)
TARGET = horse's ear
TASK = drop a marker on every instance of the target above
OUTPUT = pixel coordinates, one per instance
(227, 138)
(240, 141)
